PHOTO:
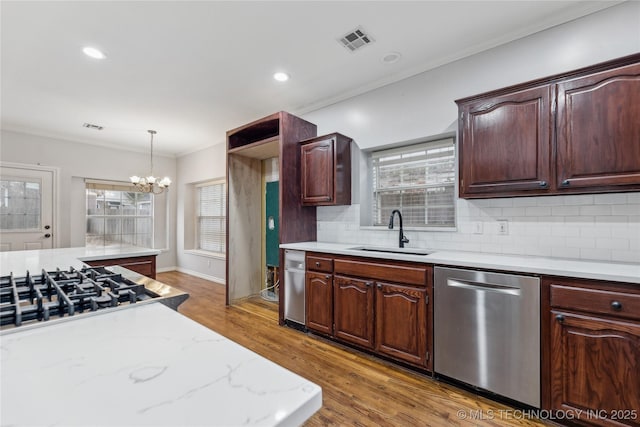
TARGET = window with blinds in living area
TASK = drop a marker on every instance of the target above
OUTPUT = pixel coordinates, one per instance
(211, 217)
(118, 215)
(419, 180)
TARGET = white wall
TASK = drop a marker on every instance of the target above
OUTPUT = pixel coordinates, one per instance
(193, 168)
(78, 161)
(605, 227)
(423, 105)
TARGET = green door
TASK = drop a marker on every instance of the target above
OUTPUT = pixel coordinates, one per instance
(272, 242)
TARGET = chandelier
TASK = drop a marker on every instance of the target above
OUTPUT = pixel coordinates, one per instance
(150, 184)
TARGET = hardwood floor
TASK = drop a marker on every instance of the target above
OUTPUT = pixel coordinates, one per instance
(357, 389)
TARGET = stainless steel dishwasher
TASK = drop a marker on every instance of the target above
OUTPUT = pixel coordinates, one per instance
(294, 287)
(487, 331)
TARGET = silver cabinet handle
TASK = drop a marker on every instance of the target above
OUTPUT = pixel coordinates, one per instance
(484, 287)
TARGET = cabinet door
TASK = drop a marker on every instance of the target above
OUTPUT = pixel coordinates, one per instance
(599, 130)
(318, 172)
(401, 322)
(353, 315)
(506, 144)
(319, 302)
(595, 366)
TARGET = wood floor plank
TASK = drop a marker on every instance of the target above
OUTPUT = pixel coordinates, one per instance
(358, 389)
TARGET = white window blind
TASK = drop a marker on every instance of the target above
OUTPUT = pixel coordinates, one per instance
(417, 179)
(118, 215)
(211, 231)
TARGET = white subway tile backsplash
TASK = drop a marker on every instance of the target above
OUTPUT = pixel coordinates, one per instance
(565, 252)
(633, 198)
(565, 210)
(610, 243)
(610, 199)
(564, 229)
(595, 227)
(595, 210)
(625, 256)
(595, 231)
(525, 201)
(595, 254)
(582, 199)
(549, 201)
(513, 212)
(612, 219)
(538, 211)
(628, 209)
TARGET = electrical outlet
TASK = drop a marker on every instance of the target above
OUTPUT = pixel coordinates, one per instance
(477, 227)
(503, 226)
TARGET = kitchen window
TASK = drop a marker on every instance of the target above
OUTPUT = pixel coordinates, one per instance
(417, 179)
(117, 215)
(211, 217)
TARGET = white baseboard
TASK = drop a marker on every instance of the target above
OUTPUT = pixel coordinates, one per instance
(201, 275)
(165, 269)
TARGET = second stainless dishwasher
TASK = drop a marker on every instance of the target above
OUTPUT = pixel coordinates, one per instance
(487, 331)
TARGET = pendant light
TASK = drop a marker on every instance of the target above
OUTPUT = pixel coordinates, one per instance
(150, 184)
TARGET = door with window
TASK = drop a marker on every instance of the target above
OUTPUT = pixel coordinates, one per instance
(26, 208)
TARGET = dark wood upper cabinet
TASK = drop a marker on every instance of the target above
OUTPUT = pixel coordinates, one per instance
(506, 143)
(577, 132)
(599, 129)
(326, 170)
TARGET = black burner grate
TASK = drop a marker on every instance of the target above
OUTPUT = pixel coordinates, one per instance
(59, 293)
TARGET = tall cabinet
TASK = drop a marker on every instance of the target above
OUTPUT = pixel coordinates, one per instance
(276, 135)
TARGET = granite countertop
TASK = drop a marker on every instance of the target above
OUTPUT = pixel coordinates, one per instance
(145, 365)
(598, 270)
(19, 262)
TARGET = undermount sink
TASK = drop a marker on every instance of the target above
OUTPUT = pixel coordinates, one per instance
(407, 251)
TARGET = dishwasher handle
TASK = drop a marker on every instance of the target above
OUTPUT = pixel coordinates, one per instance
(483, 287)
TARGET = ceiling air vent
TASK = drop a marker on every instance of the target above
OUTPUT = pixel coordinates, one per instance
(356, 39)
(92, 126)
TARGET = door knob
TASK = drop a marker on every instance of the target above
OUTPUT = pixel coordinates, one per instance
(47, 235)
(46, 227)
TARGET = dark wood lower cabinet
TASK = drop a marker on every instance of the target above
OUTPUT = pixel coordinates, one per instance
(145, 265)
(594, 351)
(319, 302)
(401, 322)
(596, 368)
(353, 310)
(381, 306)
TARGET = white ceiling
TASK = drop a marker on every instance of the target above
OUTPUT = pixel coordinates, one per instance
(194, 69)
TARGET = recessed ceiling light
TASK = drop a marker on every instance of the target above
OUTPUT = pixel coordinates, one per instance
(93, 52)
(281, 77)
(391, 57)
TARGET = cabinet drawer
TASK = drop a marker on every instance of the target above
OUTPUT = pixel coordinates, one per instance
(619, 304)
(320, 264)
(376, 271)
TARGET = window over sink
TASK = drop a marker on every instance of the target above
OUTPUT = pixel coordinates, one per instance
(419, 180)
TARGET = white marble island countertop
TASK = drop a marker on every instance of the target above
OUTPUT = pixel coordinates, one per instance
(143, 366)
(597, 270)
(19, 262)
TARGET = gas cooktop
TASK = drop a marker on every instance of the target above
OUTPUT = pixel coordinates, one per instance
(55, 294)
